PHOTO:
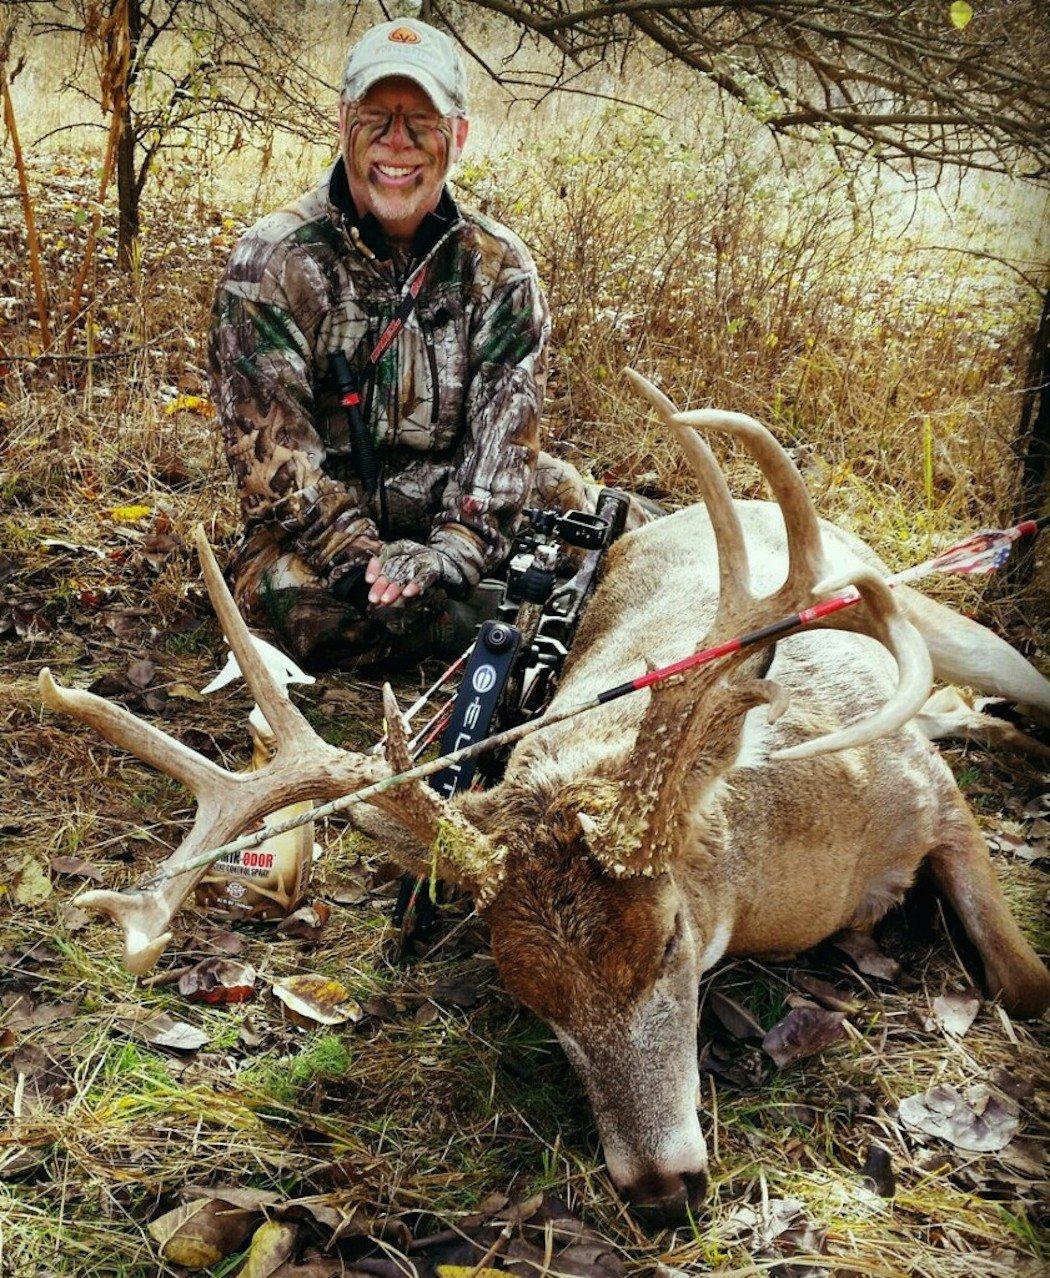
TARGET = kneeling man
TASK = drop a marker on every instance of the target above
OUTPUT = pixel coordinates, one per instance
(378, 358)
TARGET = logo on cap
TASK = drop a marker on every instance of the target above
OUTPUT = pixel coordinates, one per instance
(403, 35)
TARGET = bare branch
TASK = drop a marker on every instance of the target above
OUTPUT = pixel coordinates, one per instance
(897, 82)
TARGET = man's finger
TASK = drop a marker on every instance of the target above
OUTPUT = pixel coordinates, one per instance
(373, 570)
(376, 593)
(391, 594)
(412, 589)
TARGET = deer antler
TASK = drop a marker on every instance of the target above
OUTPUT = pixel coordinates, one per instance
(303, 767)
(691, 730)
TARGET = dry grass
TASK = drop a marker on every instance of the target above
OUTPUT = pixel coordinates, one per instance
(737, 286)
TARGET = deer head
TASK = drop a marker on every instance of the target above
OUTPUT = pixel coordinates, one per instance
(609, 908)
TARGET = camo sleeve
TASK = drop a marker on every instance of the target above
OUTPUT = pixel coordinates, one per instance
(495, 465)
(266, 313)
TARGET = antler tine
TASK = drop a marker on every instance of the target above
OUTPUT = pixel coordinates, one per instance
(286, 722)
(888, 624)
(734, 572)
(145, 913)
(806, 563)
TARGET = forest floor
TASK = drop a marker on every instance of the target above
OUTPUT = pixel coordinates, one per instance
(440, 1125)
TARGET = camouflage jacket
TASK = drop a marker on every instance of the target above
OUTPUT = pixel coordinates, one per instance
(453, 404)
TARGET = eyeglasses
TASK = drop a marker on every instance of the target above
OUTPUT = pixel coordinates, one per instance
(376, 122)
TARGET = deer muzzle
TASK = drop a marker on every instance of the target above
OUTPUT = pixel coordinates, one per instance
(664, 1200)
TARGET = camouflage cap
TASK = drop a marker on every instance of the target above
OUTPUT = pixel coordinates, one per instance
(412, 49)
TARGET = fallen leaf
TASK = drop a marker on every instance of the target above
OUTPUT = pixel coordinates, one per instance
(128, 514)
(43, 1079)
(723, 1061)
(381, 1007)
(1038, 807)
(39, 954)
(270, 1256)
(32, 886)
(140, 674)
(803, 1032)
(462, 994)
(218, 980)
(878, 1168)
(110, 685)
(777, 1228)
(1018, 1087)
(307, 923)
(1033, 852)
(316, 999)
(736, 1018)
(351, 893)
(316, 1265)
(960, 12)
(1028, 1156)
(956, 1012)
(185, 692)
(251, 1033)
(976, 1120)
(426, 1014)
(222, 942)
(25, 1014)
(205, 1230)
(75, 867)
(824, 993)
(156, 546)
(198, 404)
(247, 1199)
(869, 959)
(272, 1244)
(163, 1030)
(803, 1115)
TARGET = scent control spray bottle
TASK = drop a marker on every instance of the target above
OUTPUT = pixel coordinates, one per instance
(266, 882)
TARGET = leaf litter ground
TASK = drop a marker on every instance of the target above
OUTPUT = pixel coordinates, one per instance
(430, 1124)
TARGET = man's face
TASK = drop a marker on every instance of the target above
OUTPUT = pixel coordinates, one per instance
(396, 173)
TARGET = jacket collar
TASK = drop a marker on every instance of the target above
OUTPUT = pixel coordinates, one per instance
(430, 230)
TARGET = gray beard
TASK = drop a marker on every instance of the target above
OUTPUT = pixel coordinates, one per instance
(407, 205)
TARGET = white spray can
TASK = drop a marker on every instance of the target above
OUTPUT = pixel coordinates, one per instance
(266, 882)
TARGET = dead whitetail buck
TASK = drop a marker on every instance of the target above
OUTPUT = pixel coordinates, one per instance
(748, 807)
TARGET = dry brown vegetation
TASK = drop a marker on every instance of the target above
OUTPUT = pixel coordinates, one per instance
(894, 374)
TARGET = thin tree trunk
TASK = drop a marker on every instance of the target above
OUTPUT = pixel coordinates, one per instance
(32, 242)
(1033, 447)
(128, 189)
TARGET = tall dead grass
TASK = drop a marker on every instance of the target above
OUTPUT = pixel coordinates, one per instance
(893, 372)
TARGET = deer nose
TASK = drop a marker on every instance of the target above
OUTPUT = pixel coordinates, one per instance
(662, 1199)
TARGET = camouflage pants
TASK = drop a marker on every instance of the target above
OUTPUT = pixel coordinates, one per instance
(279, 593)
